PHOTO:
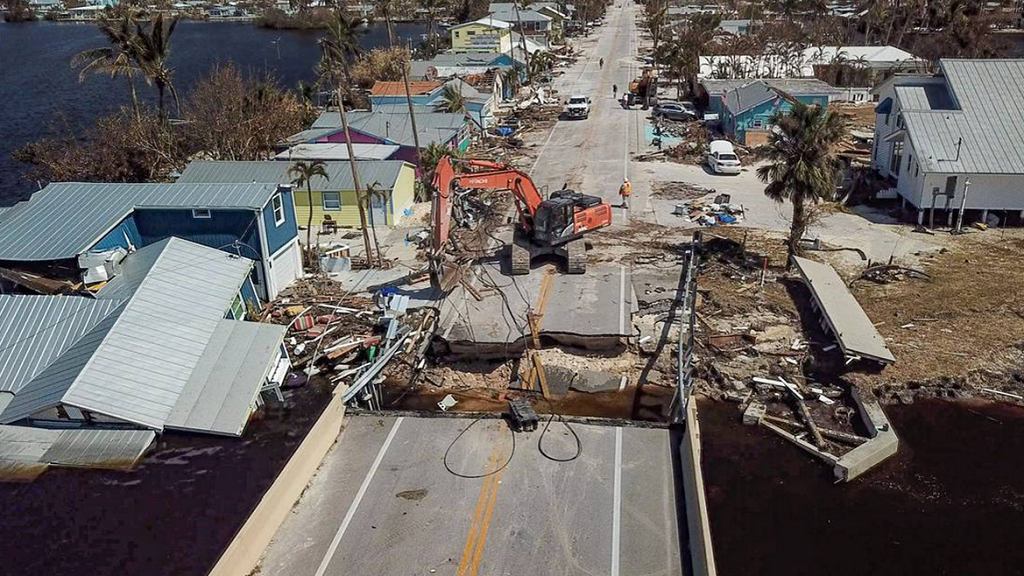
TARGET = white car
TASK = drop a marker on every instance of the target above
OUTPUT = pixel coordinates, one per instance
(722, 158)
(577, 107)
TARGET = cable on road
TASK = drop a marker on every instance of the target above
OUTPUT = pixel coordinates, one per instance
(485, 474)
(579, 443)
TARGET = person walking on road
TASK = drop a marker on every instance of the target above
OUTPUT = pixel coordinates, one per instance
(600, 63)
(625, 191)
(615, 90)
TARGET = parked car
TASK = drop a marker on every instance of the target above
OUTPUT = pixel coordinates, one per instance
(722, 158)
(577, 107)
(675, 111)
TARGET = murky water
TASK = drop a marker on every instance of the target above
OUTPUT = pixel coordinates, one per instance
(174, 514)
(951, 502)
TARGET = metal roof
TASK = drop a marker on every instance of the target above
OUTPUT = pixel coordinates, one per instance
(311, 135)
(856, 335)
(332, 119)
(221, 391)
(144, 363)
(794, 86)
(394, 125)
(26, 452)
(986, 134)
(335, 151)
(339, 173)
(36, 330)
(924, 96)
(485, 21)
(65, 219)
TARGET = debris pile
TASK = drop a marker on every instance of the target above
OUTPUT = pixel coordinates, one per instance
(679, 190)
(346, 339)
(717, 210)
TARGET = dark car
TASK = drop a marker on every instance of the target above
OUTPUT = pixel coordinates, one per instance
(675, 111)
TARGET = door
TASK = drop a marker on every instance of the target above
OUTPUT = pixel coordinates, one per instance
(286, 267)
(379, 208)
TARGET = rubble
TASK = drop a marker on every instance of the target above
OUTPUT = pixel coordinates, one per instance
(711, 212)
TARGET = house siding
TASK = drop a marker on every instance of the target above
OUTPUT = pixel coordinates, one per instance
(357, 138)
(280, 235)
(223, 228)
(347, 216)
(481, 38)
(740, 123)
(120, 236)
(403, 196)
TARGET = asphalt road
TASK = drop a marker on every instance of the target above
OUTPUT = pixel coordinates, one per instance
(384, 502)
(592, 155)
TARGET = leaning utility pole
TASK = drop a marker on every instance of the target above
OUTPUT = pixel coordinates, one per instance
(405, 81)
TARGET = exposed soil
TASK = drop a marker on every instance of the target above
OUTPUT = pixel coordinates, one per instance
(949, 502)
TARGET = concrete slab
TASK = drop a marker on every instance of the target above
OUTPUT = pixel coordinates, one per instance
(856, 335)
(384, 503)
(588, 310)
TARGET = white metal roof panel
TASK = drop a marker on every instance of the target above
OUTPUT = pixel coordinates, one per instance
(47, 388)
(66, 218)
(36, 330)
(986, 134)
(335, 151)
(90, 448)
(339, 173)
(142, 366)
(221, 392)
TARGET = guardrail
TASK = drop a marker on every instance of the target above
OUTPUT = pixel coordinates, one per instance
(687, 323)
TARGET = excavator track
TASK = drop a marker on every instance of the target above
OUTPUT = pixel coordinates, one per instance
(576, 257)
(520, 260)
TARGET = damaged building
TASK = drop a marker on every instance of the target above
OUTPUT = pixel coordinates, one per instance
(62, 230)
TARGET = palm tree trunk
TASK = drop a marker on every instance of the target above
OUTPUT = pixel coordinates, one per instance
(309, 222)
(135, 100)
(355, 173)
(796, 229)
(160, 88)
(373, 225)
(408, 97)
(522, 36)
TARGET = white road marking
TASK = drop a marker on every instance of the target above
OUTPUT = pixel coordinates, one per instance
(617, 502)
(359, 496)
(622, 300)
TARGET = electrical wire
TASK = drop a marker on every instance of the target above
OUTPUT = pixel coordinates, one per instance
(485, 474)
(579, 443)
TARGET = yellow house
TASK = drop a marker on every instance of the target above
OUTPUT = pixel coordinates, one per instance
(334, 196)
(484, 35)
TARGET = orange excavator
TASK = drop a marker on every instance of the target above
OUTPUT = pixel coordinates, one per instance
(552, 226)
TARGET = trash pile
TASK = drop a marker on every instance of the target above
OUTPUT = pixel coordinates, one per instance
(350, 340)
(676, 190)
(720, 210)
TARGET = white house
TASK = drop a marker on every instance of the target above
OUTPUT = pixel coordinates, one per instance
(955, 134)
(783, 64)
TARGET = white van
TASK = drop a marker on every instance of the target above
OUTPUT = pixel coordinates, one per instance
(722, 158)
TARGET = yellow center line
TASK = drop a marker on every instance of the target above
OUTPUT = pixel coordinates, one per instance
(487, 521)
(467, 551)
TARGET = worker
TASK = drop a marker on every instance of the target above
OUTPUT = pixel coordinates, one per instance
(615, 90)
(624, 192)
(600, 63)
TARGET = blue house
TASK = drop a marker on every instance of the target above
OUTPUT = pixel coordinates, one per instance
(67, 223)
(745, 107)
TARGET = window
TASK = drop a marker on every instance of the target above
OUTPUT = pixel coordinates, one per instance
(470, 33)
(278, 205)
(758, 123)
(332, 200)
(910, 162)
(899, 121)
(237, 308)
(201, 213)
(456, 33)
(897, 158)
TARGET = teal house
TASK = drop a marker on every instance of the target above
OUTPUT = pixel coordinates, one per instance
(745, 107)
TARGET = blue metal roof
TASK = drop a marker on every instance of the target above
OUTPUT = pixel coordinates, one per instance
(65, 219)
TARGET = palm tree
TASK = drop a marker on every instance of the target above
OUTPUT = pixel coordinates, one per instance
(153, 47)
(336, 49)
(118, 59)
(432, 7)
(802, 165)
(373, 192)
(302, 174)
(522, 32)
(451, 101)
(541, 64)
(429, 158)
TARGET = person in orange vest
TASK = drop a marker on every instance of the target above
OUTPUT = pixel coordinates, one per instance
(625, 191)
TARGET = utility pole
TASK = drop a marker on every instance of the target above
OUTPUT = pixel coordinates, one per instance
(963, 204)
(405, 82)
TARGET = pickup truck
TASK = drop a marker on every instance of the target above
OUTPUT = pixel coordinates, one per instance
(577, 107)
